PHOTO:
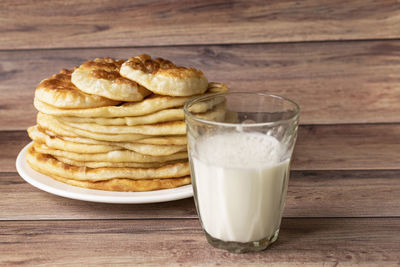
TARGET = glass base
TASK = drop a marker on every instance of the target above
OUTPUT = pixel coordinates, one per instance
(238, 247)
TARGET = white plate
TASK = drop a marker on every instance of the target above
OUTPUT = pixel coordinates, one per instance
(52, 186)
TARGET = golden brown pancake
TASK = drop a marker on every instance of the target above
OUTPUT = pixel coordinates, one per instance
(158, 129)
(59, 91)
(162, 140)
(166, 115)
(122, 155)
(55, 142)
(128, 185)
(163, 77)
(149, 105)
(101, 77)
(99, 164)
(47, 122)
(49, 165)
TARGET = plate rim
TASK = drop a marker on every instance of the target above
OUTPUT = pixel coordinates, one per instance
(113, 197)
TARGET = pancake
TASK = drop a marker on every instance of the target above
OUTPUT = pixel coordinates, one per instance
(162, 140)
(128, 185)
(149, 105)
(154, 150)
(164, 128)
(216, 87)
(49, 123)
(48, 165)
(59, 91)
(163, 77)
(217, 113)
(99, 164)
(55, 142)
(112, 156)
(101, 77)
(159, 116)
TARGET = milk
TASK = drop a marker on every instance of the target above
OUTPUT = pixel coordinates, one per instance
(240, 180)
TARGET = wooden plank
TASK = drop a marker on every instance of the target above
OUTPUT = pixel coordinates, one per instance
(58, 24)
(341, 147)
(318, 147)
(350, 82)
(15, 193)
(343, 194)
(11, 143)
(310, 194)
(313, 242)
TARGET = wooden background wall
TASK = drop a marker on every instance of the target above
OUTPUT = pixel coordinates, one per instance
(340, 60)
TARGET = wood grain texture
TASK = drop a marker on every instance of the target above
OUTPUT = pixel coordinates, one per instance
(11, 144)
(313, 242)
(57, 24)
(15, 193)
(310, 194)
(350, 82)
(341, 147)
(343, 194)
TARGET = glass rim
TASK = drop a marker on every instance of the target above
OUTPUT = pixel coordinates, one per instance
(229, 124)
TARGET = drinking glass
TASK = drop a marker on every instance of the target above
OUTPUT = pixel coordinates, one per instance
(240, 146)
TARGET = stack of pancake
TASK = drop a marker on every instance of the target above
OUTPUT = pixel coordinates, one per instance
(118, 125)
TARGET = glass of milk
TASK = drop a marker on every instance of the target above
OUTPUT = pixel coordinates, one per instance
(240, 145)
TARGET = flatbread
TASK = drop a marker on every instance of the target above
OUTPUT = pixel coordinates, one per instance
(159, 116)
(59, 91)
(48, 165)
(163, 77)
(158, 129)
(112, 156)
(101, 77)
(99, 164)
(149, 105)
(217, 113)
(167, 115)
(162, 140)
(154, 150)
(49, 123)
(55, 142)
(128, 185)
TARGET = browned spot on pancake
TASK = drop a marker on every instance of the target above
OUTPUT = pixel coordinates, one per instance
(148, 65)
(108, 69)
(104, 74)
(59, 81)
(104, 63)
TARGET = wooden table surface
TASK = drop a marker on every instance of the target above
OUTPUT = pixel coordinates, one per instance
(340, 60)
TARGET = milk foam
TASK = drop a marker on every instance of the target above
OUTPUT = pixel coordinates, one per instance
(240, 149)
(241, 184)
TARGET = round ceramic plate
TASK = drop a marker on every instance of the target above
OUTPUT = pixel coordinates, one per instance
(52, 186)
